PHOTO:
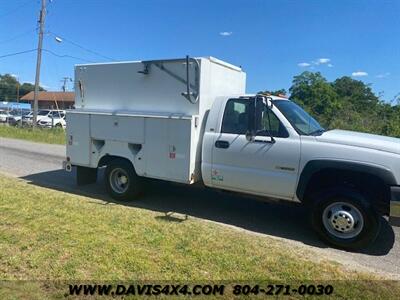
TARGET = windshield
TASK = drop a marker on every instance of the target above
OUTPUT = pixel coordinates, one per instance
(299, 118)
(15, 112)
(43, 112)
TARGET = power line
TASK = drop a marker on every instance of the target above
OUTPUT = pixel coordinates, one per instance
(17, 53)
(83, 48)
(17, 36)
(66, 56)
(48, 51)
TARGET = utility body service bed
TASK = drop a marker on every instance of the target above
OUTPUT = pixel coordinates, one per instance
(141, 111)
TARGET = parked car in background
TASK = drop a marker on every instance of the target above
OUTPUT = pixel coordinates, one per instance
(53, 119)
(45, 114)
(27, 119)
(4, 115)
(16, 117)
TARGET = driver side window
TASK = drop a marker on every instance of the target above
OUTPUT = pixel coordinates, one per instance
(236, 116)
(236, 119)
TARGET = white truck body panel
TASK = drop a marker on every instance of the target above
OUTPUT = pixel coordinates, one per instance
(144, 117)
(119, 86)
(257, 168)
(373, 151)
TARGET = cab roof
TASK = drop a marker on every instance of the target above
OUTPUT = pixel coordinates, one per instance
(281, 97)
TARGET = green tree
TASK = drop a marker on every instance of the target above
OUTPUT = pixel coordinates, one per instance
(279, 92)
(365, 111)
(9, 85)
(316, 95)
(25, 88)
(345, 104)
(355, 93)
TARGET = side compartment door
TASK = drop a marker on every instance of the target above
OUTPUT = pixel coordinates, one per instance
(260, 166)
(78, 138)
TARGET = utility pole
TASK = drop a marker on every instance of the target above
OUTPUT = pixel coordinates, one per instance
(42, 17)
(18, 92)
(19, 104)
(65, 80)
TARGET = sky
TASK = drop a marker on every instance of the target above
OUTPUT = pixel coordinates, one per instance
(271, 40)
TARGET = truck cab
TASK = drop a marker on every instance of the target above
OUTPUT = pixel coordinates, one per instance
(269, 146)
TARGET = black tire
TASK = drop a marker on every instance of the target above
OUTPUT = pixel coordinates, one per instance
(118, 190)
(333, 230)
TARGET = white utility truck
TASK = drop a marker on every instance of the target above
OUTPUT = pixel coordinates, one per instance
(189, 120)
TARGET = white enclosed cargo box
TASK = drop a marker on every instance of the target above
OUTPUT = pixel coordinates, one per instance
(150, 112)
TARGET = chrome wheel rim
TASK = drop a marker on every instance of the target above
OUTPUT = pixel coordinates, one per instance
(119, 180)
(343, 220)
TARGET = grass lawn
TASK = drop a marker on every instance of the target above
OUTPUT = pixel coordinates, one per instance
(49, 235)
(50, 136)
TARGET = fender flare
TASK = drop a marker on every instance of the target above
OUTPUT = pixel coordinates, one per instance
(315, 166)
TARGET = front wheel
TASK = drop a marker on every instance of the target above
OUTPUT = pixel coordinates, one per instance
(121, 180)
(344, 218)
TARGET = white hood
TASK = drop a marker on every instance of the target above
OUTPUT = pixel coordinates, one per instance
(358, 139)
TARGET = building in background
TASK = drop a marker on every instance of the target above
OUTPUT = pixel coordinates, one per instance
(51, 100)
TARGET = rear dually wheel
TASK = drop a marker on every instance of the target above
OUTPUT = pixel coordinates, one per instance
(121, 180)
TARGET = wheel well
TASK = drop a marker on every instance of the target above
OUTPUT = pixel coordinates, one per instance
(369, 185)
(106, 159)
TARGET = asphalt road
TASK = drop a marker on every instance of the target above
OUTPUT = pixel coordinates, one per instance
(40, 164)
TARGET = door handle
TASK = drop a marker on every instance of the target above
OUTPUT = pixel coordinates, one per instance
(222, 144)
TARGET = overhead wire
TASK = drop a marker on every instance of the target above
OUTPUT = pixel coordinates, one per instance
(45, 50)
(81, 47)
(17, 36)
(17, 53)
(66, 55)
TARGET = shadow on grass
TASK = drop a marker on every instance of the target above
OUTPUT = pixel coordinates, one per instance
(173, 217)
(281, 219)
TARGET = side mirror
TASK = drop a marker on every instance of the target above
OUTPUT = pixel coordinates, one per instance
(269, 103)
